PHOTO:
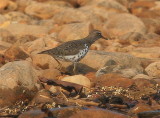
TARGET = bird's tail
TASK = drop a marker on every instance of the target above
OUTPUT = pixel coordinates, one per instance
(44, 52)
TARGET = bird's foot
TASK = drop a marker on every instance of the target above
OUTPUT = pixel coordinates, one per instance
(61, 68)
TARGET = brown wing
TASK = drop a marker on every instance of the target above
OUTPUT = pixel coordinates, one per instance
(68, 48)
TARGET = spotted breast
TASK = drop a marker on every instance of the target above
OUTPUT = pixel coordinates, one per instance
(77, 57)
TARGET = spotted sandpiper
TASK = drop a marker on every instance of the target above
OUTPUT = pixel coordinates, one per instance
(73, 51)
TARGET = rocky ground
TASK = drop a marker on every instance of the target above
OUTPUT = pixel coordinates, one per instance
(118, 78)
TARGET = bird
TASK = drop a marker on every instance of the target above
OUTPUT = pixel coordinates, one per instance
(73, 51)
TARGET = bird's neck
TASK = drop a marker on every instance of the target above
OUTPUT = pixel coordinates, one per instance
(90, 40)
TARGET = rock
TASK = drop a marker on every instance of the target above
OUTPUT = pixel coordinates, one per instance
(23, 29)
(18, 17)
(39, 44)
(152, 40)
(2, 60)
(3, 3)
(17, 79)
(2, 19)
(120, 24)
(4, 46)
(153, 69)
(63, 112)
(142, 9)
(33, 113)
(109, 6)
(129, 73)
(112, 67)
(158, 81)
(7, 5)
(132, 38)
(7, 36)
(99, 59)
(34, 46)
(22, 4)
(15, 53)
(50, 41)
(142, 76)
(74, 31)
(69, 15)
(146, 9)
(146, 52)
(151, 24)
(42, 10)
(78, 79)
(77, 3)
(50, 73)
(42, 96)
(18, 71)
(113, 80)
(83, 14)
(96, 46)
(149, 114)
(143, 83)
(44, 61)
(141, 107)
(123, 2)
(98, 113)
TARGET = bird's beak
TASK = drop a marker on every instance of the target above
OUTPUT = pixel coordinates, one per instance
(105, 38)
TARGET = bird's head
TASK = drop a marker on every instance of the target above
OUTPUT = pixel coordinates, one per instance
(97, 34)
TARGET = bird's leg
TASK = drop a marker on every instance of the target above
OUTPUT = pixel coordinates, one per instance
(74, 67)
(59, 67)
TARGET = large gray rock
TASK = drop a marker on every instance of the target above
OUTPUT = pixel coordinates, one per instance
(17, 79)
(98, 59)
(18, 73)
(107, 62)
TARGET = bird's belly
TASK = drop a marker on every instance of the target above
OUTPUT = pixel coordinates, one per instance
(74, 58)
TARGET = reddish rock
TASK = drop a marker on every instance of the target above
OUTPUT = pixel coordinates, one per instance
(63, 112)
(143, 83)
(113, 80)
(44, 63)
(98, 113)
(141, 107)
(15, 53)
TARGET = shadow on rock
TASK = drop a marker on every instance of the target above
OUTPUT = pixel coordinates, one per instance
(80, 69)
